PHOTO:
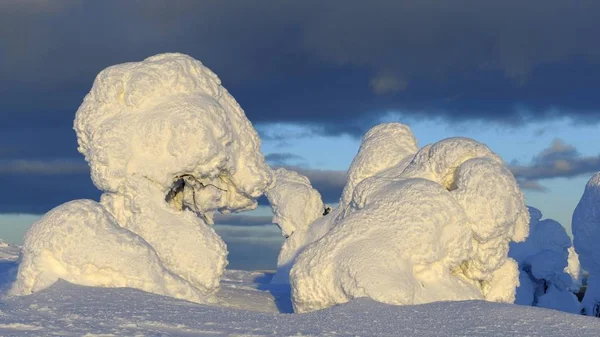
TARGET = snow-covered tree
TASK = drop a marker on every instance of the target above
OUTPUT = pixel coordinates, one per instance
(296, 205)
(544, 263)
(416, 227)
(168, 146)
(586, 239)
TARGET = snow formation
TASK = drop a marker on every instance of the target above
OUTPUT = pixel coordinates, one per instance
(416, 227)
(168, 146)
(82, 243)
(586, 236)
(295, 204)
(545, 260)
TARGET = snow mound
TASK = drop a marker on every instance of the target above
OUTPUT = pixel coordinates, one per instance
(543, 260)
(295, 204)
(81, 242)
(586, 235)
(430, 226)
(168, 146)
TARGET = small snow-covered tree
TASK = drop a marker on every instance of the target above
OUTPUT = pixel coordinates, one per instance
(544, 264)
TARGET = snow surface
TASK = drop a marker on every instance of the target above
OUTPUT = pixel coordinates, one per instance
(544, 261)
(247, 304)
(168, 146)
(416, 227)
(586, 239)
(295, 204)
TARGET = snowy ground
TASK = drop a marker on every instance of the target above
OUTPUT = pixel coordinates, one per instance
(248, 306)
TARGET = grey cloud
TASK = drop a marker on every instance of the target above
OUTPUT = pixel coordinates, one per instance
(283, 158)
(263, 233)
(283, 134)
(318, 63)
(531, 185)
(241, 220)
(43, 167)
(559, 160)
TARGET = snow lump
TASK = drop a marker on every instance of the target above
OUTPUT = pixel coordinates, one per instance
(586, 236)
(416, 226)
(80, 242)
(168, 146)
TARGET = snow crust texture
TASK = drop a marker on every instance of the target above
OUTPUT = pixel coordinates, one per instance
(549, 270)
(168, 146)
(586, 238)
(69, 310)
(416, 227)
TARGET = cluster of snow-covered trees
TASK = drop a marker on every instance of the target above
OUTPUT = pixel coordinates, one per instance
(549, 273)
(169, 146)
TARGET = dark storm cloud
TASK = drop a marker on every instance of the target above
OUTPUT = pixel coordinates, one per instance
(333, 67)
(335, 64)
(37, 194)
(559, 160)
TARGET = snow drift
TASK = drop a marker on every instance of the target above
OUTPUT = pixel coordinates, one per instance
(416, 227)
(168, 146)
(544, 263)
(586, 236)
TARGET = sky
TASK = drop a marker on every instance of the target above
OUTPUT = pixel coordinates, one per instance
(313, 77)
